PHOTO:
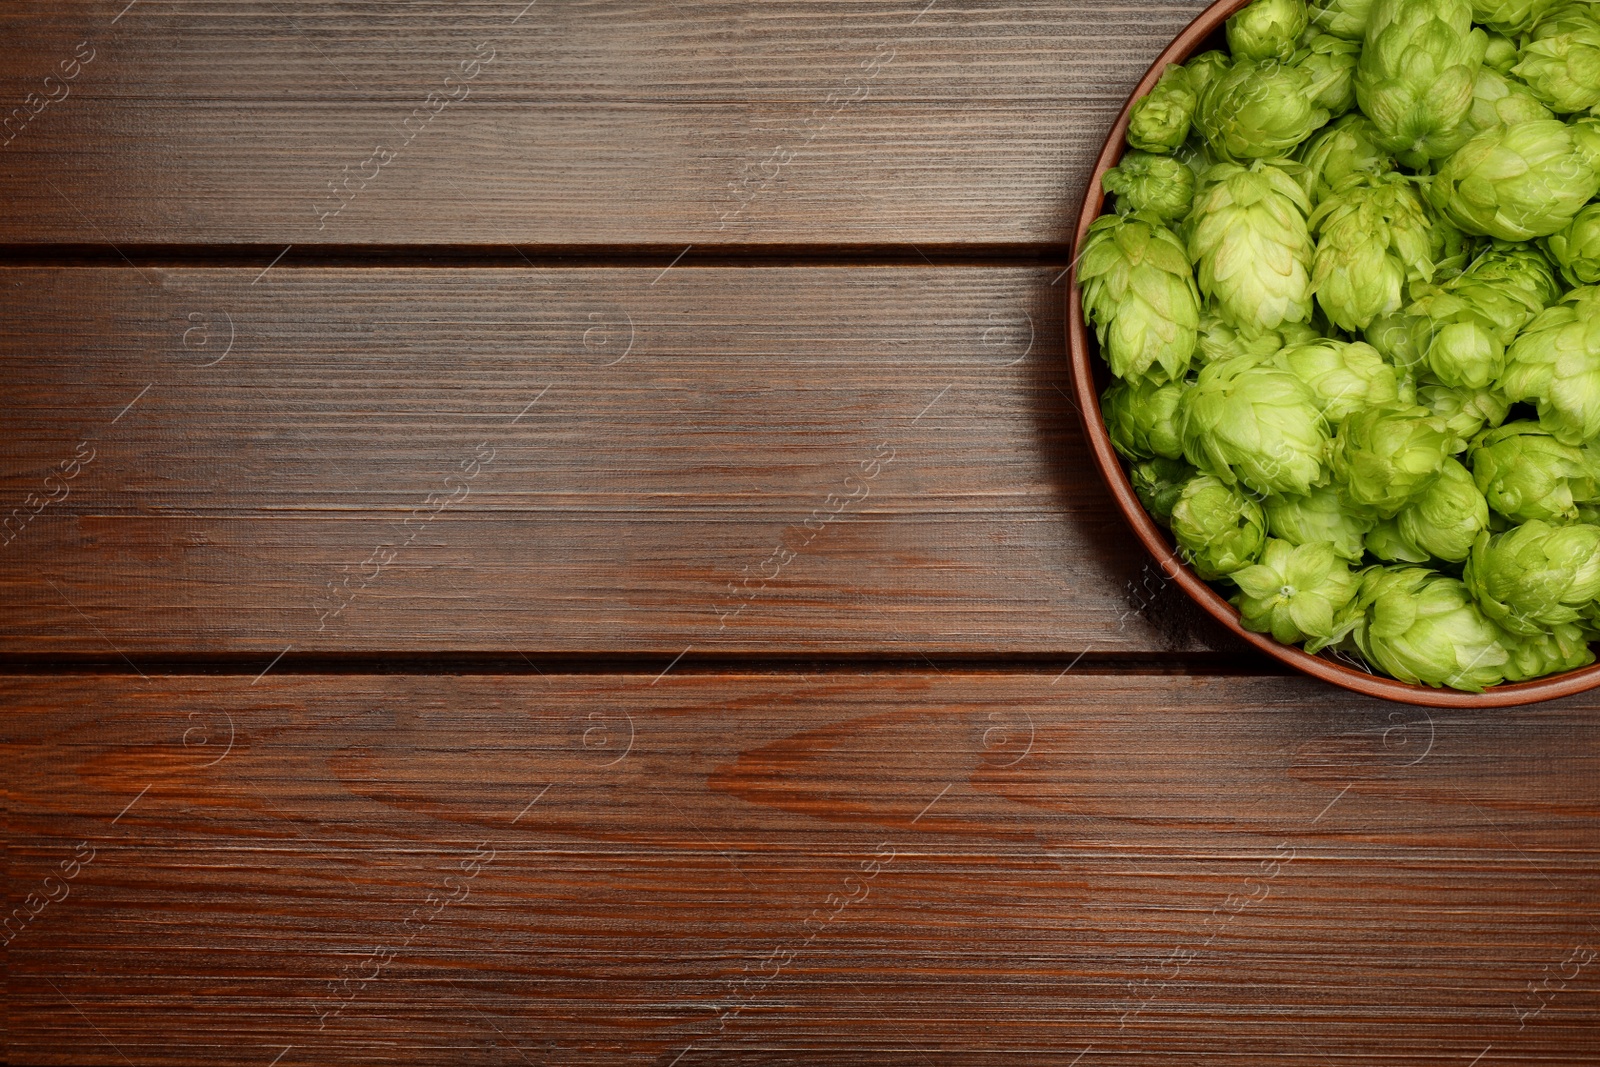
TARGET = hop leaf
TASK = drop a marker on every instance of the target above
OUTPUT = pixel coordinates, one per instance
(1248, 235)
(1139, 292)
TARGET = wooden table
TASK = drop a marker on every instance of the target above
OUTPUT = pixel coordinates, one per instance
(554, 534)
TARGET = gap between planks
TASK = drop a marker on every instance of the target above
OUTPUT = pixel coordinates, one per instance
(644, 664)
(308, 256)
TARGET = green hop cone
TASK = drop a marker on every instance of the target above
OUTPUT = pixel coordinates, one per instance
(1266, 29)
(1141, 418)
(1561, 60)
(1343, 376)
(1218, 528)
(1424, 628)
(1445, 520)
(1247, 421)
(1295, 592)
(1159, 120)
(1158, 483)
(1139, 293)
(1456, 250)
(1388, 543)
(1220, 339)
(1513, 282)
(1555, 364)
(1196, 155)
(1463, 327)
(1565, 649)
(1500, 101)
(1466, 411)
(1586, 490)
(1500, 55)
(1332, 63)
(1157, 185)
(1384, 458)
(1373, 238)
(1511, 17)
(1414, 80)
(1460, 342)
(1206, 68)
(1317, 516)
(1536, 576)
(1342, 18)
(1526, 474)
(1576, 248)
(1522, 181)
(1259, 109)
(1348, 146)
(1248, 235)
(1401, 339)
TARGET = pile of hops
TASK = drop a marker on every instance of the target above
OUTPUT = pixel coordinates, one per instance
(1348, 296)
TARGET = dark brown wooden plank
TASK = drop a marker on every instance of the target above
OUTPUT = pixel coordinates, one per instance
(1158, 869)
(706, 123)
(649, 442)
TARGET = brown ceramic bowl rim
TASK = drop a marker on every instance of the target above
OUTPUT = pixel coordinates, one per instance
(1084, 358)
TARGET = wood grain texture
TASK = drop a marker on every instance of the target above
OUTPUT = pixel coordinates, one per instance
(594, 122)
(858, 460)
(948, 868)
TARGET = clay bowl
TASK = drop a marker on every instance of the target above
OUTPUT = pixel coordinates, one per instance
(1090, 376)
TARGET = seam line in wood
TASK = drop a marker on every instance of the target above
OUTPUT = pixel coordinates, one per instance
(644, 664)
(652, 257)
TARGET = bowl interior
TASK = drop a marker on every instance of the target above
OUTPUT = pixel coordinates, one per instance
(1091, 375)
